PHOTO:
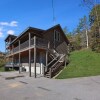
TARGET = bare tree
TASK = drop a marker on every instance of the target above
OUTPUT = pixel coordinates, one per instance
(90, 4)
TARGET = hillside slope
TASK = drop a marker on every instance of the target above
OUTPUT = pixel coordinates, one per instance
(82, 63)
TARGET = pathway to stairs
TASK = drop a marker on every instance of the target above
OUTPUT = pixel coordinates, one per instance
(41, 88)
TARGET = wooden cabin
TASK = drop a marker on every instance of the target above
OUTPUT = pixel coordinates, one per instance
(38, 51)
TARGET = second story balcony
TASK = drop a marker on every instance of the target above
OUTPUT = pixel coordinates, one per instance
(28, 44)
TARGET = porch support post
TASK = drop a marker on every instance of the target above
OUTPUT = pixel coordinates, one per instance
(19, 64)
(35, 56)
(13, 61)
(19, 59)
(46, 58)
(29, 55)
(29, 63)
(12, 57)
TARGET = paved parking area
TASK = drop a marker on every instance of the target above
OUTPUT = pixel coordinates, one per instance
(29, 88)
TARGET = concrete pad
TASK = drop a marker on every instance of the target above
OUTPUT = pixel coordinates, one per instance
(29, 88)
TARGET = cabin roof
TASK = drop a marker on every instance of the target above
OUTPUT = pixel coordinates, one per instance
(13, 36)
(27, 30)
(39, 31)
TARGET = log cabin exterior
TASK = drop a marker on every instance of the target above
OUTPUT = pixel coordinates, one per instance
(38, 51)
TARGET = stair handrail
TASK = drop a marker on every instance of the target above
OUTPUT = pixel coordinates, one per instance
(52, 51)
(51, 61)
(58, 61)
(55, 64)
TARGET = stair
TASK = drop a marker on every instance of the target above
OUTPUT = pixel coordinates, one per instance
(55, 66)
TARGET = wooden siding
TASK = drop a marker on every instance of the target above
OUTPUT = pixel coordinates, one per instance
(59, 46)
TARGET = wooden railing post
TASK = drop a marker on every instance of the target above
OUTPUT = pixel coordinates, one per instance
(50, 73)
(48, 45)
(35, 56)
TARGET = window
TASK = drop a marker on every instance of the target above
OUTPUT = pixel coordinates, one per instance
(56, 36)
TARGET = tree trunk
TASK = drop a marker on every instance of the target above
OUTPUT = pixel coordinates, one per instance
(87, 40)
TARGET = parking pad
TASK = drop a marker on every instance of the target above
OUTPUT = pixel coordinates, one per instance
(15, 85)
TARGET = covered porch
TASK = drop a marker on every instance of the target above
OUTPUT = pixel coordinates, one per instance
(32, 61)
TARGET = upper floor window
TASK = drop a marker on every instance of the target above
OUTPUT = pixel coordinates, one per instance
(56, 36)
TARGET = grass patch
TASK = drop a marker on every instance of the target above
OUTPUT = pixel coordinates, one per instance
(82, 63)
(2, 69)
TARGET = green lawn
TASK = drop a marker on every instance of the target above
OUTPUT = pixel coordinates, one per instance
(82, 63)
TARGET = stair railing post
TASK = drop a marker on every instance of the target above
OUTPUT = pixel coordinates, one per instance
(50, 73)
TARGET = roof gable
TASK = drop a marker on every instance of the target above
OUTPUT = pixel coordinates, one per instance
(54, 28)
(12, 36)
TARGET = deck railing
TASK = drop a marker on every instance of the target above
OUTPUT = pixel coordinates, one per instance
(32, 41)
(39, 43)
(24, 45)
(16, 49)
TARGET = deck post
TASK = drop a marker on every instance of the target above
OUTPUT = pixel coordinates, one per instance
(13, 61)
(12, 57)
(29, 62)
(35, 56)
(19, 64)
(46, 58)
(19, 59)
(29, 55)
